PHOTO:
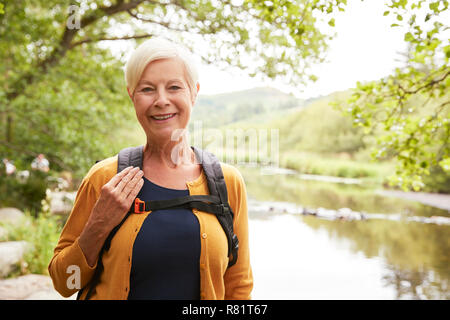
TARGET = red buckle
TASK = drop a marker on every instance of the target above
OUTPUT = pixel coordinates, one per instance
(139, 206)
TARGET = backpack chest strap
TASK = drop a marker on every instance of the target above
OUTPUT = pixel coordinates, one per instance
(206, 203)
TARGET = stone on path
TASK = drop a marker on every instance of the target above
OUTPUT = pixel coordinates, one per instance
(29, 287)
(62, 202)
(11, 215)
(11, 253)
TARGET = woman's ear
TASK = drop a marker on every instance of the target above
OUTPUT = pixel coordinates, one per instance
(129, 94)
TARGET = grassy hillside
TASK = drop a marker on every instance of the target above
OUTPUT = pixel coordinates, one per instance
(222, 109)
(315, 127)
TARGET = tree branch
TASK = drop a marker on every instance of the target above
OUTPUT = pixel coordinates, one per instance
(164, 24)
(426, 85)
(22, 150)
(87, 40)
(65, 43)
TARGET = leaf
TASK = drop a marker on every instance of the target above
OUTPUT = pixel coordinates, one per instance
(386, 13)
(434, 6)
(447, 51)
(379, 99)
(409, 37)
(331, 22)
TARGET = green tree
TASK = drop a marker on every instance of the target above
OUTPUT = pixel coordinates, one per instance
(409, 110)
(63, 94)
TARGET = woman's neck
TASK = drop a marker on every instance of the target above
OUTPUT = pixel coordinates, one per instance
(171, 154)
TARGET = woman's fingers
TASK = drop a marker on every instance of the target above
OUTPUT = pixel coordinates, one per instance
(118, 177)
(132, 183)
(125, 180)
(134, 192)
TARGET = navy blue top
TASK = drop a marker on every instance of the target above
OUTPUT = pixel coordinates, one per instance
(166, 252)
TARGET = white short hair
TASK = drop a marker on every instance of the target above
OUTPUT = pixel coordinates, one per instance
(156, 49)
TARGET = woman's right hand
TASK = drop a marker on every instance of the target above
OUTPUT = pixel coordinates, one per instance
(116, 198)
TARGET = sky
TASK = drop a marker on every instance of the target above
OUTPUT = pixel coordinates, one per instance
(365, 48)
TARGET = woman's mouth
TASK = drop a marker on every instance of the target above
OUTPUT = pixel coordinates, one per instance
(163, 117)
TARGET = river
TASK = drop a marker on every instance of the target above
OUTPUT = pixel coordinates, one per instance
(400, 250)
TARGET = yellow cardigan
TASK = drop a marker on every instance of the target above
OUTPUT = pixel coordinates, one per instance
(216, 280)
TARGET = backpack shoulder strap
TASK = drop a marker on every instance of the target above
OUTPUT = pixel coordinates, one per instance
(214, 174)
(218, 187)
(131, 156)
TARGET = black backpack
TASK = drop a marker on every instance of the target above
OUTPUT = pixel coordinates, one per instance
(216, 203)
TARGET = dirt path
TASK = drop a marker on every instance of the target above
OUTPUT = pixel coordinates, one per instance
(29, 287)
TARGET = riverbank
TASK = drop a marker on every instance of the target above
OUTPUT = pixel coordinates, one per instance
(337, 166)
(437, 200)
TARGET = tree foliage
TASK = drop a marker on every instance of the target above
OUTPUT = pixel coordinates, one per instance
(412, 105)
(63, 94)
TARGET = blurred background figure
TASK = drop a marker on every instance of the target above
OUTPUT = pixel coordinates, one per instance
(40, 163)
(10, 167)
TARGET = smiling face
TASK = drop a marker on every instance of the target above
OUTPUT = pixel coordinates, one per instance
(162, 99)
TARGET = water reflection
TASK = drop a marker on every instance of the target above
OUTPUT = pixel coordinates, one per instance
(413, 252)
(416, 284)
(310, 258)
(298, 262)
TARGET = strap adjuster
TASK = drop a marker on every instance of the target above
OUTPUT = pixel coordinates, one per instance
(224, 210)
(235, 242)
(139, 206)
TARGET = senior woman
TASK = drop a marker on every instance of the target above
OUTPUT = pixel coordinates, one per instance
(163, 254)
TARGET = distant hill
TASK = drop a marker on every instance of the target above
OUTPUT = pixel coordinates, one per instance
(315, 126)
(221, 109)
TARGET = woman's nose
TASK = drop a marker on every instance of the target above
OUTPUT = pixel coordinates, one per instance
(161, 98)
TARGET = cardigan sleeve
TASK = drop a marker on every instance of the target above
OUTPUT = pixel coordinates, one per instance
(68, 268)
(239, 277)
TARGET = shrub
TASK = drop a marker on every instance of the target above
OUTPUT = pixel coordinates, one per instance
(24, 195)
(42, 233)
